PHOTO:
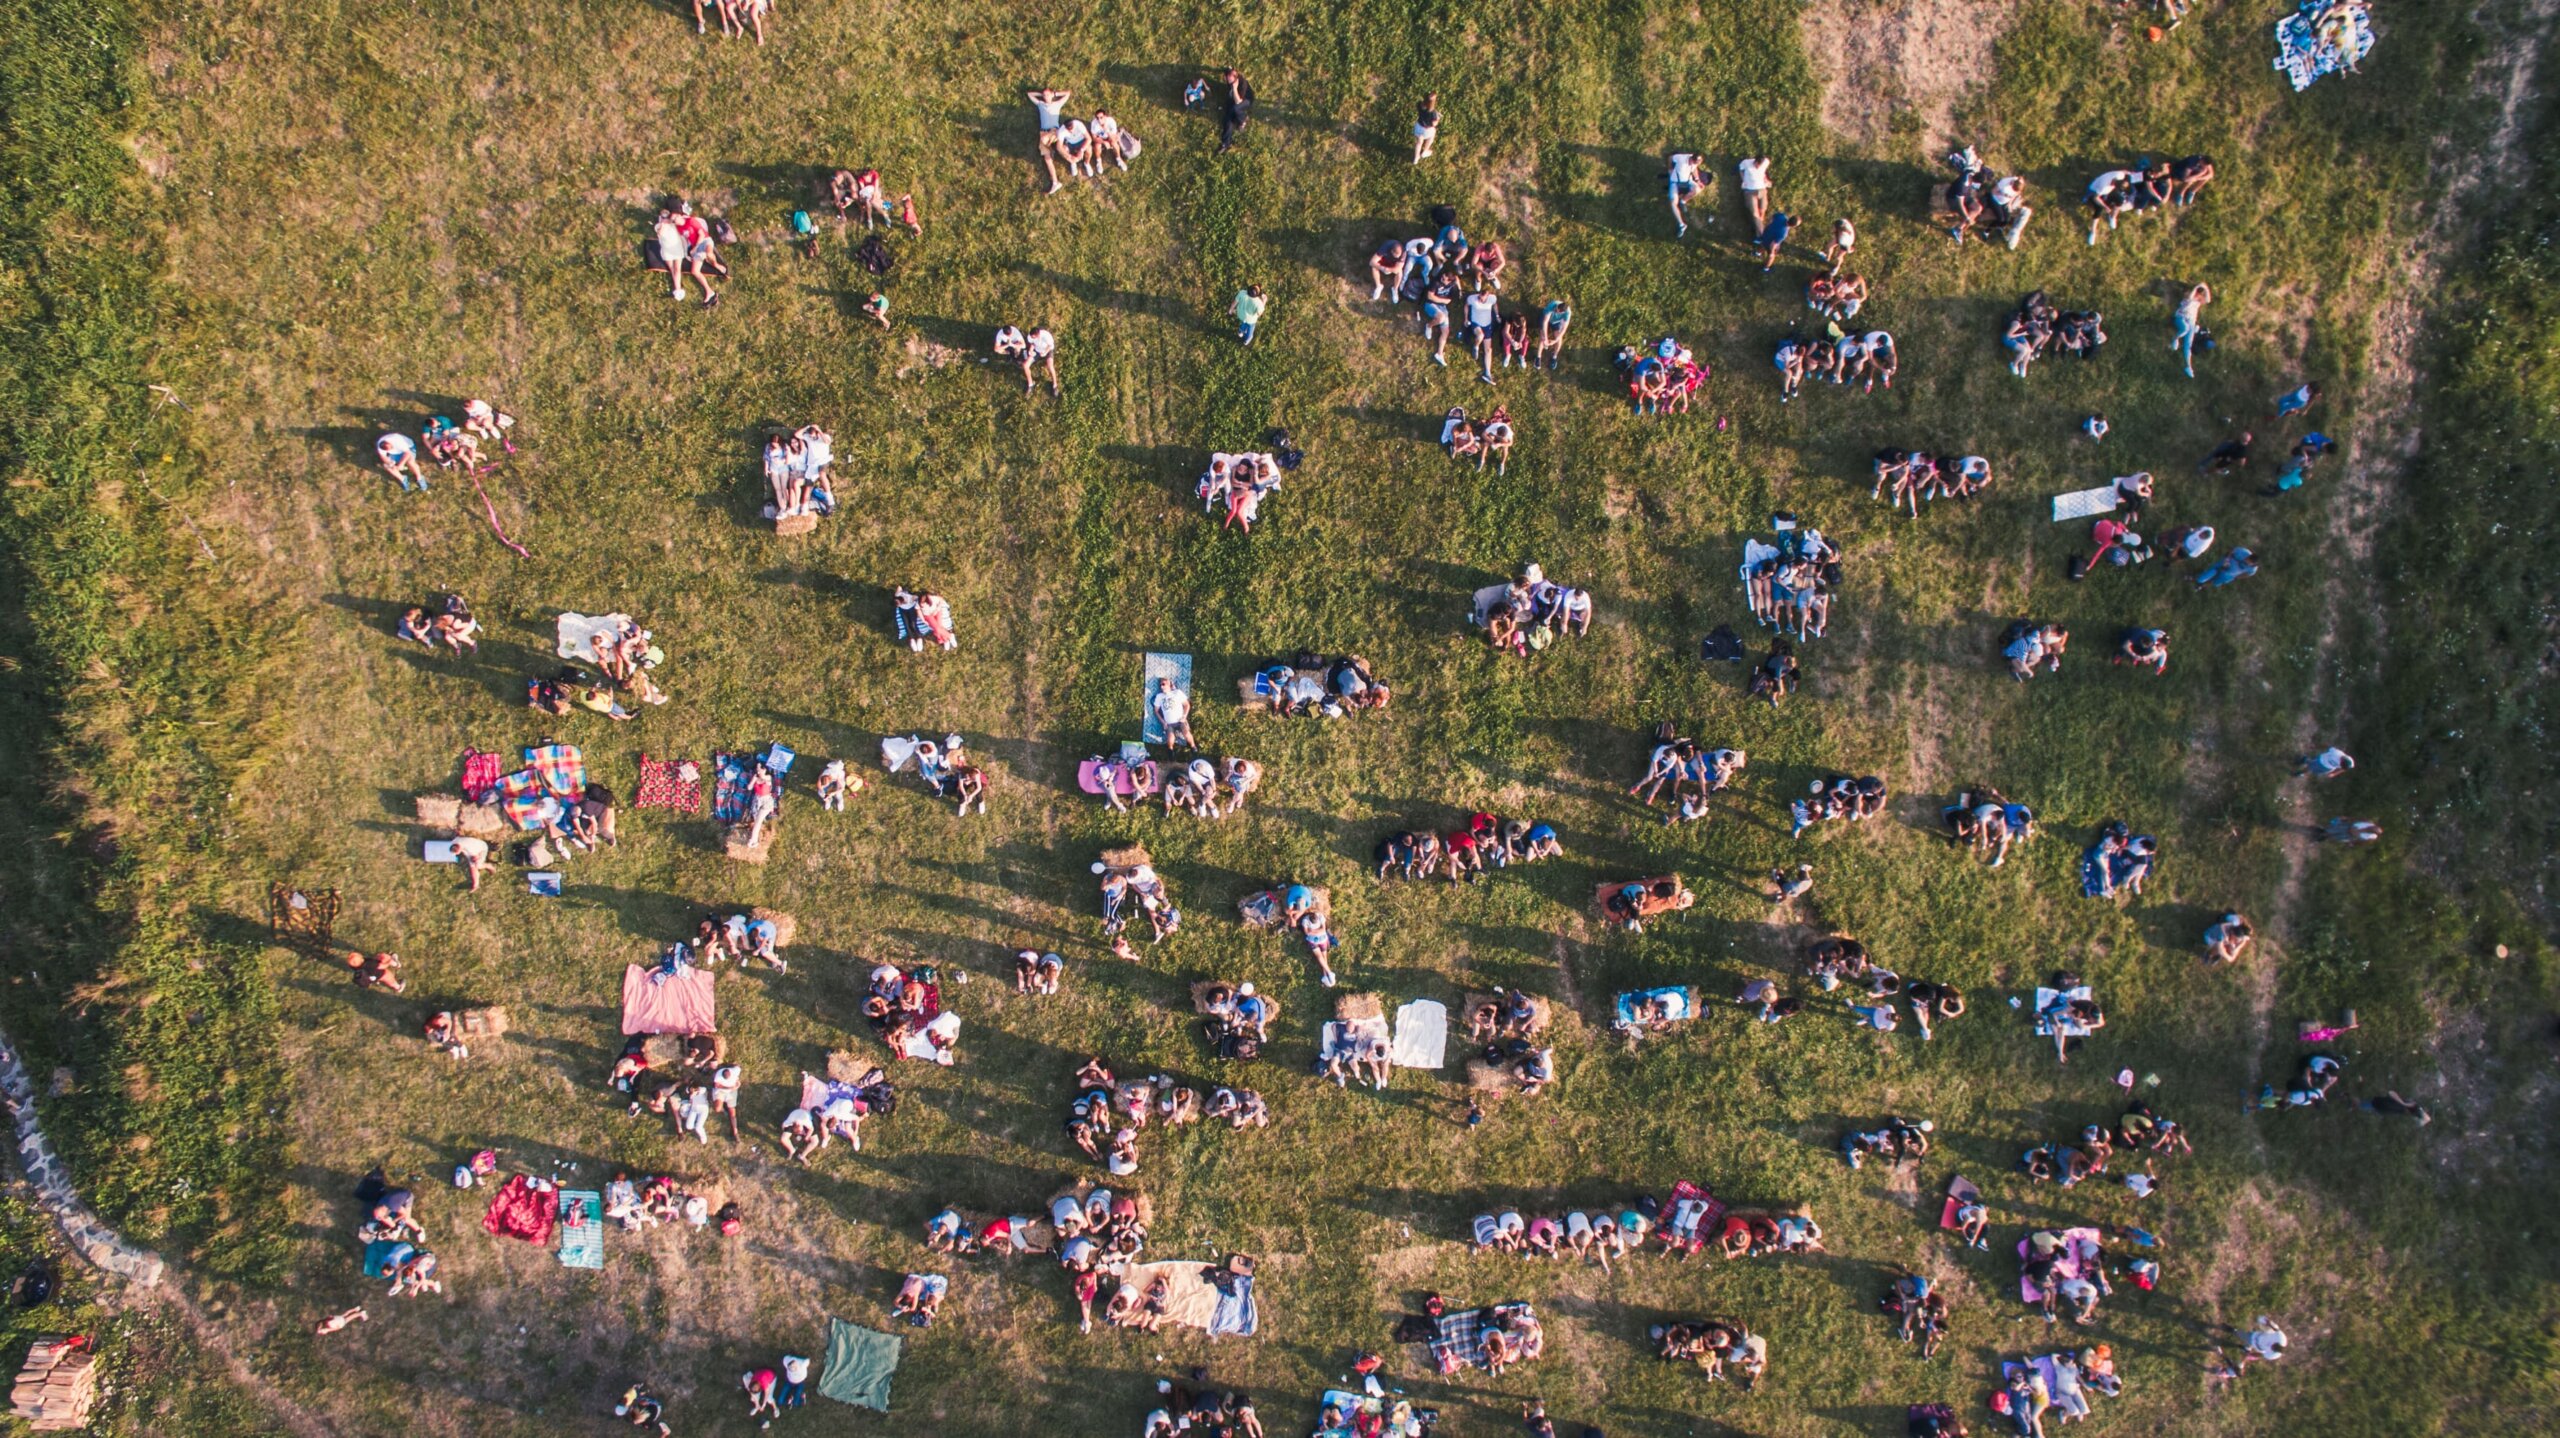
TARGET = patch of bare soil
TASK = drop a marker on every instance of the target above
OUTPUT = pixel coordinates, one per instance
(1878, 58)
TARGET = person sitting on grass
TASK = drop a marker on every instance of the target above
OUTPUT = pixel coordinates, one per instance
(920, 1298)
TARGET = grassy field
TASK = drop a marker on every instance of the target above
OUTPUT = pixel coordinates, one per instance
(349, 216)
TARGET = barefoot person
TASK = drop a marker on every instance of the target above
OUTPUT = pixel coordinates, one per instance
(1050, 108)
(1426, 127)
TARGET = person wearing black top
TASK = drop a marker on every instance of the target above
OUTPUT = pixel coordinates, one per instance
(1235, 109)
(1426, 127)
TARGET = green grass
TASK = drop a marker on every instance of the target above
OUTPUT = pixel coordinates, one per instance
(357, 212)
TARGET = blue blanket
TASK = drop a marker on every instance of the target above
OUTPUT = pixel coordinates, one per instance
(1236, 1312)
(729, 794)
(1176, 667)
(2306, 50)
(1678, 998)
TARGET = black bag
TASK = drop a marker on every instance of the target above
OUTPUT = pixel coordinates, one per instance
(873, 255)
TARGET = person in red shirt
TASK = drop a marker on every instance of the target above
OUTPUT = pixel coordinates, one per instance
(760, 1383)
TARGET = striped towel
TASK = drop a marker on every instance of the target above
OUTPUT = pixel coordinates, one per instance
(480, 771)
(560, 767)
(581, 1243)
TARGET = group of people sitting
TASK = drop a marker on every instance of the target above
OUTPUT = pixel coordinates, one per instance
(946, 768)
(2312, 1081)
(1488, 841)
(795, 470)
(1099, 1232)
(1235, 1019)
(1234, 484)
(904, 1008)
(1790, 580)
(2059, 1382)
(2029, 643)
(1976, 201)
(2036, 327)
(1836, 297)
(635, 1204)
(1849, 359)
(1084, 146)
(2142, 1129)
(1689, 772)
(1035, 351)
(1838, 797)
(1465, 439)
(919, 1299)
(685, 243)
(394, 1238)
(1531, 612)
(1921, 1304)
(450, 445)
(1664, 377)
(1715, 1345)
(1915, 474)
(452, 625)
(1838, 959)
(2119, 861)
(1313, 684)
(1985, 822)
(1139, 883)
(1455, 287)
(1194, 786)
(1630, 903)
(919, 616)
(625, 653)
(861, 192)
(1897, 1142)
(1105, 1116)
(2145, 187)
(2067, 1012)
(1208, 1413)
(1596, 1236)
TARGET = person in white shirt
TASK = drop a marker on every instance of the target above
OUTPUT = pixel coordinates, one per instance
(1039, 350)
(2110, 195)
(1755, 189)
(2329, 763)
(1685, 180)
(1483, 322)
(2010, 195)
(1173, 710)
(399, 456)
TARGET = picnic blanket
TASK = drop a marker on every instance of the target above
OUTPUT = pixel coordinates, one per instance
(1089, 779)
(1684, 1004)
(521, 1209)
(668, 1004)
(1459, 1341)
(859, 1364)
(480, 771)
(532, 811)
(2078, 1257)
(561, 768)
(2082, 503)
(2306, 49)
(816, 1093)
(1339, 1033)
(1960, 1191)
(1236, 1315)
(731, 772)
(385, 1254)
(1176, 667)
(668, 784)
(2046, 1018)
(582, 1242)
(1422, 1035)
(1693, 1216)
(1190, 1298)
(933, 1043)
(577, 634)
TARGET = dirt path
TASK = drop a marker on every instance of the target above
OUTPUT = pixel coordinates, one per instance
(2388, 435)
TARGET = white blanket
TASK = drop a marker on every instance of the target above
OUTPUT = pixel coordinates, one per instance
(922, 1045)
(577, 634)
(2082, 503)
(1422, 1035)
(1339, 1034)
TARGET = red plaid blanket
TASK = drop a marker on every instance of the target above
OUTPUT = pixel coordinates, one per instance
(663, 785)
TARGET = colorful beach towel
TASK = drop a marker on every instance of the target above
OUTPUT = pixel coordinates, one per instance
(1176, 667)
(2307, 48)
(532, 811)
(669, 784)
(562, 768)
(859, 1365)
(480, 773)
(581, 1228)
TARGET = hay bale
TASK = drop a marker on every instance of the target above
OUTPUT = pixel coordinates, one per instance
(1126, 856)
(785, 927)
(733, 843)
(1253, 701)
(1348, 1007)
(792, 524)
(482, 821)
(440, 811)
(844, 1066)
(663, 1051)
(1486, 1077)
(486, 1023)
(1200, 993)
(1037, 1235)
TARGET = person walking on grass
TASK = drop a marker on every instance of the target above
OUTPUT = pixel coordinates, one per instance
(1426, 127)
(1235, 106)
(1770, 239)
(1050, 106)
(1248, 309)
(2188, 323)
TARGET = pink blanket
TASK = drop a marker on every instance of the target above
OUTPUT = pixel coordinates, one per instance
(1089, 779)
(678, 1005)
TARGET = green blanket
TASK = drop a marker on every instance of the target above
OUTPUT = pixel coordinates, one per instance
(859, 1362)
